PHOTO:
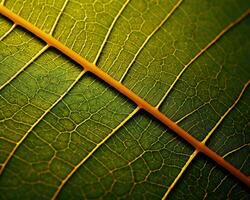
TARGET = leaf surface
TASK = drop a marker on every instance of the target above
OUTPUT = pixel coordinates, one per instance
(65, 132)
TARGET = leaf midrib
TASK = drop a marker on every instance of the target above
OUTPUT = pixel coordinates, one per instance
(202, 51)
(208, 136)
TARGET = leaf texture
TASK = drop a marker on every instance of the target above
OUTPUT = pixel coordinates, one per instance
(64, 133)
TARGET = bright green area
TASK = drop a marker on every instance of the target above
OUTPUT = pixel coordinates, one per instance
(143, 157)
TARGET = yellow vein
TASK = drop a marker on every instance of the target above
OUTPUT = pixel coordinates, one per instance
(25, 66)
(79, 77)
(93, 151)
(149, 37)
(47, 111)
(88, 66)
(195, 153)
(217, 37)
(38, 121)
(58, 17)
(235, 150)
(190, 113)
(11, 28)
(18, 72)
(129, 116)
(38, 54)
(110, 29)
(8, 32)
(136, 109)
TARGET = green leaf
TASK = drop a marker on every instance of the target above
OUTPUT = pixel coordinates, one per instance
(65, 133)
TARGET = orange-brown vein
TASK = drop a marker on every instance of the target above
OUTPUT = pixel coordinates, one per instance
(88, 66)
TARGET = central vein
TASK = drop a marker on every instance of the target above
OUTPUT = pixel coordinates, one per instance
(141, 103)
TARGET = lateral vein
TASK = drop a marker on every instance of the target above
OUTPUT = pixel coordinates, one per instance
(8, 32)
(211, 132)
(130, 115)
(19, 72)
(109, 31)
(25, 66)
(149, 37)
(203, 50)
(88, 66)
(38, 121)
(93, 151)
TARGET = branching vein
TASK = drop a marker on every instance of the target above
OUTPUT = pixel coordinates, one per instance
(211, 132)
(142, 104)
(8, 32)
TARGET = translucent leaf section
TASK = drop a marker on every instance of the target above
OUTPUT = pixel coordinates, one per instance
(66, 134)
